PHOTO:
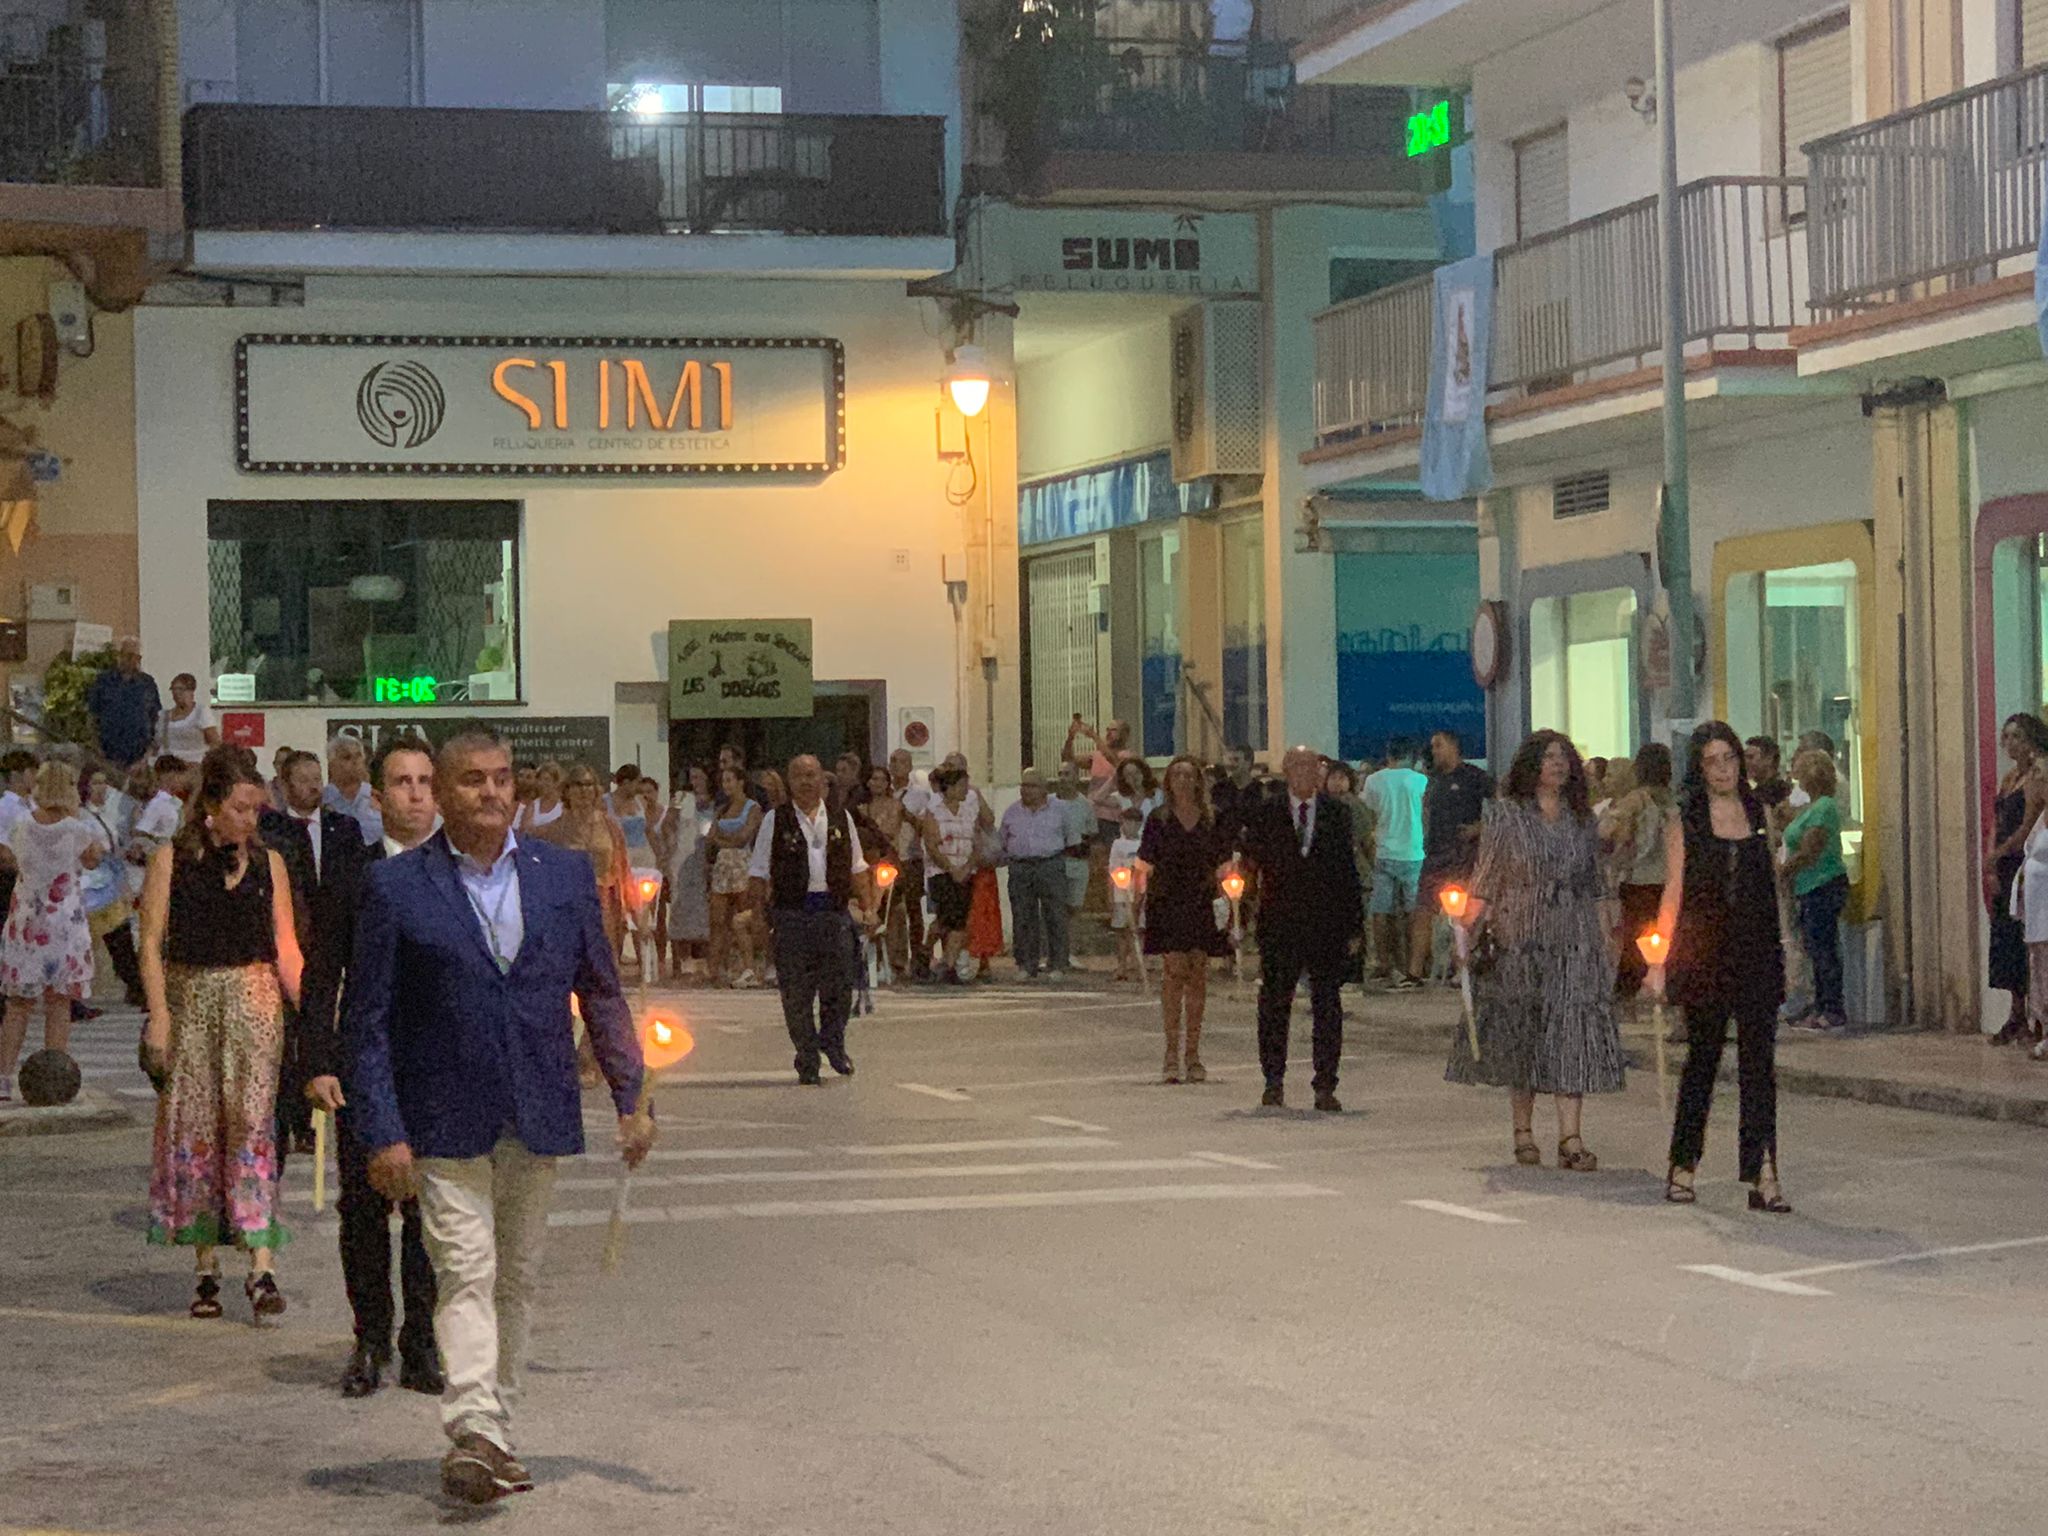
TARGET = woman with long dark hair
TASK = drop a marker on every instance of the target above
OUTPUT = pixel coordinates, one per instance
(1720, 918)
(1543, 999)
(2021, 794)
(220, 958)
(1182, 857)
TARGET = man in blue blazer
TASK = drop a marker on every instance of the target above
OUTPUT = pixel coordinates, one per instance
(461, 1075)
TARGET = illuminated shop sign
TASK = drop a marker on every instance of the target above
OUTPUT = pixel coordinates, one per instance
(539, 405)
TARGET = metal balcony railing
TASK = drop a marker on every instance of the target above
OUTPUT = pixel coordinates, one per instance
(256, 167)
(1581, 299)
(1928, 200)
(80, 122)
(1189, 96)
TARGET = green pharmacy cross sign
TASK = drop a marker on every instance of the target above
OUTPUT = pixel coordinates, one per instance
(1429, 129)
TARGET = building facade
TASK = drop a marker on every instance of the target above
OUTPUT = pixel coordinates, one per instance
(1860, 366)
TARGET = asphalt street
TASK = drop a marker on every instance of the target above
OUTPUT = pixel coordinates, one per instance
(1002, 1281)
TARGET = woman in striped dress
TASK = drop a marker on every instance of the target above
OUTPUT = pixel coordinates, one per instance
(1544, 1001)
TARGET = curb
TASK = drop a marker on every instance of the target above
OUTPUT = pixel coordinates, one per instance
(90, 1111)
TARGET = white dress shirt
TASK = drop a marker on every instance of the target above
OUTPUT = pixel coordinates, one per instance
(494, 896)
(312, 825)
(815, 825)
(1304, 831)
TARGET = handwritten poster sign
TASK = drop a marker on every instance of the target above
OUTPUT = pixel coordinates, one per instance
(732, 669)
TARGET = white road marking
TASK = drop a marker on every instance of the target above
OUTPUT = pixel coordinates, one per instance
(1465, 1212)
(1910, 1258)
(703, 1155)
(1216, 1075)
(1070, 1125)
(951, 1095)
(1230, 1160)
(729, 1079)
(136, 1093)
(884, 1174)
(735, 1029)
(1009, 1144)
(1772, 1283)
(1022, 1200)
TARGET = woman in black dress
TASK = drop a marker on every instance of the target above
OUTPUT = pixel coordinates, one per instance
(1183, 856)
(2020, 796)
(1720, 918)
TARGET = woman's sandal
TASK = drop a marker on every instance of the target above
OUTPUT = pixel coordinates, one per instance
(1581, 1161)
(206, 1297)
(265, 1300)
(1774, 1202)
(1525, 1149)
(1675, 1192)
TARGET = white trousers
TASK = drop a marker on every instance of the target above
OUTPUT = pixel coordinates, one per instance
(485, 1218)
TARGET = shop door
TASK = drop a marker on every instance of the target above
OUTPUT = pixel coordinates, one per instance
(839, 722)
(1062, 647)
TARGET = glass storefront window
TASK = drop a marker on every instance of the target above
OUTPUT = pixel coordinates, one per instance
(1159, 631)
(2019, 607)
(1244, 633)
(363, 602)
(1582, 669)
(1793, 647)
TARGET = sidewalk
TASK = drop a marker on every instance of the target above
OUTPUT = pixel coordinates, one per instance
(1942, 1074)
(92, 1110)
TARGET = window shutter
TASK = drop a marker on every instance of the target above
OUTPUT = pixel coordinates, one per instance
(1814, 92)
(2033, 33)
(1542, 185)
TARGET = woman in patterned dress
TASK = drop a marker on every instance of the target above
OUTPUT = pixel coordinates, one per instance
(46, 948)
(1544, 1003)
(220, 956)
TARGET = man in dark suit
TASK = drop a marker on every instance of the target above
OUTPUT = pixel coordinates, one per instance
(402, 775)
(323, 854)
(460, 1069)
(1310, 914)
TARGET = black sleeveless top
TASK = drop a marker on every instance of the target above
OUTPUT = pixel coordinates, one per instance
(212, 925)
(1726, 951)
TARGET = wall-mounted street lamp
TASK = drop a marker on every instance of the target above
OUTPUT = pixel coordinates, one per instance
(968, 380)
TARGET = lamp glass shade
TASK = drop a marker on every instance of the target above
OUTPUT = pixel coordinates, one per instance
(1452, 899)
(1652, 946)
(968, 381)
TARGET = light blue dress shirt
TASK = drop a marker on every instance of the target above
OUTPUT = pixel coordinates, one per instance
(494, 896)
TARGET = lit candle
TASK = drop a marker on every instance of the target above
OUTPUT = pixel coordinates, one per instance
(1233, 884)
(664, 1040)
(885, 875)
(1653, 946)
(1452, 899)
(1120, 877)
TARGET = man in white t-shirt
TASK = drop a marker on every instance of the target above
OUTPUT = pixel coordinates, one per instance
(1394, 796)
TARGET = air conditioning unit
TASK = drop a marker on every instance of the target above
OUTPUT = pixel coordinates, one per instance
(1218, 383)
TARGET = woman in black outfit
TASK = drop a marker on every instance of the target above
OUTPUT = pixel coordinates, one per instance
(2020, 795)
(1720, 917)
(1183, 856)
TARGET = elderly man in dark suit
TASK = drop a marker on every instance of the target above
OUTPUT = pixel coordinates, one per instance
(402, 774)
(323, 853)
(1310, 912)
(461, 1074)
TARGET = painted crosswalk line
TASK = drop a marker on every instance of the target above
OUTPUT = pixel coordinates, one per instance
(1020, 1200)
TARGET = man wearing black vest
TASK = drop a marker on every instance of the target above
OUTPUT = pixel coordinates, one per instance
(402, 779)
(807, 868)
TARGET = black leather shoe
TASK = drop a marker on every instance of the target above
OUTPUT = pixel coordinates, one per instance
(364, 1374)
(1327, 1103)
(1276, 1098)
(807, 1077)
(422, 1375)
(841, 1062)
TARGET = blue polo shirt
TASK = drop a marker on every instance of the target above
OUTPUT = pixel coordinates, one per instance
(124, 711)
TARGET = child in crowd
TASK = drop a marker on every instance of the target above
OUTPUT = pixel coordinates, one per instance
(1124, 909)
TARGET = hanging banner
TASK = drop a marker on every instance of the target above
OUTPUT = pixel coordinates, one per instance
(1455, 461)
(728, 669)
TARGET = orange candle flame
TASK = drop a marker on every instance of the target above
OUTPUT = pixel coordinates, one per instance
(664, 1041)
(885, 875)
(1120, 877)
(1233, 885)
(1652, 945)
(1452, 899)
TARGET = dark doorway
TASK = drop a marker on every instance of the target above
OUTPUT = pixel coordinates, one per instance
(840, 721)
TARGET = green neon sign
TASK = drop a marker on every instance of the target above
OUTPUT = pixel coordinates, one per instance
(1429, 129)
(402, 690)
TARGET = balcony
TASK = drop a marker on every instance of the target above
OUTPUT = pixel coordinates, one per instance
(1427, 42)
(403, 169)
(1942, 199)
(1166, 116)
(1578, 310)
